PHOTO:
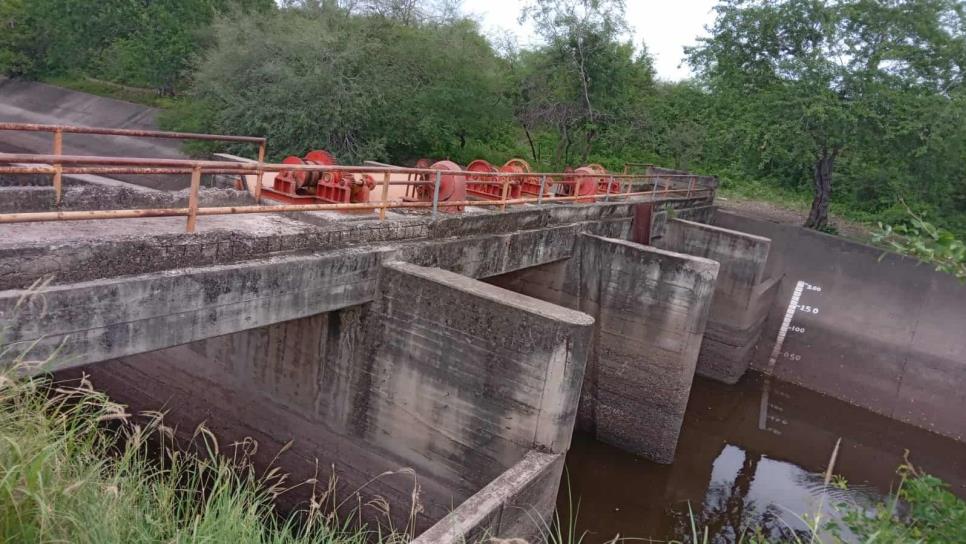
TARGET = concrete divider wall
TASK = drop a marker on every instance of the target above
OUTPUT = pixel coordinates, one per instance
(510, 505)
(651, 307)
(461, 378)
(888, 334)
(742, 295)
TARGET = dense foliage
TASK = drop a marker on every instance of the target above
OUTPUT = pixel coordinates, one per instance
(856, 102)
(923, 240)
(134, 42)
(921, 510)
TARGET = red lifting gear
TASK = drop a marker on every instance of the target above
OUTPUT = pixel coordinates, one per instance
(586, 184)
(604, 181)
(529, 185)
(452, 187)
(489, 191)
(308, 187)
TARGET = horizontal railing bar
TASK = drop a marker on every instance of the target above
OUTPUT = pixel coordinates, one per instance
(104, 131)
(9, 158)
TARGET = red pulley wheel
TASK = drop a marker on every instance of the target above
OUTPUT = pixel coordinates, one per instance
(586, 184)
(300, 177)
(452, 186)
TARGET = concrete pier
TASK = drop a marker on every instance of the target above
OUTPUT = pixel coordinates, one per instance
(742, 294)
(651, 308)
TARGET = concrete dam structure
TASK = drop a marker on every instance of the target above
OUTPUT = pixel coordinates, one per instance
(441, 362)
(378, 348)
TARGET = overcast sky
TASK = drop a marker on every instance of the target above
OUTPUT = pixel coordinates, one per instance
(666, 26)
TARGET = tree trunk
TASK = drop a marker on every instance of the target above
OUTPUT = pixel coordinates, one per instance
(822, 184)
(588, 144)
(533, 148)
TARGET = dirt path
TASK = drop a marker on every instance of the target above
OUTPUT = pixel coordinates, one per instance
(777, 213)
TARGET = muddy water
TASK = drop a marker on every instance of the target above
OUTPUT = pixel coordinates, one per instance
(743, 462)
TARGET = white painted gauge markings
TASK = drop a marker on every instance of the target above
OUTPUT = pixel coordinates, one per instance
(795, 305)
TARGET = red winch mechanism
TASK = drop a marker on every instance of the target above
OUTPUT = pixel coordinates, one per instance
(452, 186)
(310, 187)
(493, 189)
(529, 186)
(605, 180)
(583, 181)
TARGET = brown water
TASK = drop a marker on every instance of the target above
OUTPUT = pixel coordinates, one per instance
(740, 466)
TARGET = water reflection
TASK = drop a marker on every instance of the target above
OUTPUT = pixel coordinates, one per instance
(735, 475)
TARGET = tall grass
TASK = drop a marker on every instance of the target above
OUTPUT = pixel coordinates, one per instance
(75, 467)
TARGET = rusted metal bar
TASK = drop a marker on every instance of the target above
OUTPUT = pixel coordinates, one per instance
(58, 167)
(439, 178)
(503, 195)
(193, 199)
(7, 158)
(385, 196)
(261, 172)
(104, 131)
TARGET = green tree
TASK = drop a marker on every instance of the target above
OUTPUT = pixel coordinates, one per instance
(363, 85)
(806, 81)
(584, 79)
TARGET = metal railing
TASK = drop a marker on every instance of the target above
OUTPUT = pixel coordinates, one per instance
(58, 164)
(59, 131)
(54, 164)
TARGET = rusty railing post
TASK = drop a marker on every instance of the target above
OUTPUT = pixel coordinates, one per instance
(610, 181)
(503, 195)
(193, 198)
(385, 197)
(690, 186)
(543, 187)
(58, 167)
(260, 174)
(439, 177)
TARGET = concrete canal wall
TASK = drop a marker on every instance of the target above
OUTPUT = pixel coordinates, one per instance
(876, 329)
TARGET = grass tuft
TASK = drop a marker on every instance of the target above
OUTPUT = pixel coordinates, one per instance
(76, 467)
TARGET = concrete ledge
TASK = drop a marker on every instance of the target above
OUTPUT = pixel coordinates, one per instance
(106, 319)
(476, 288)
(511, 506)
(41, 199)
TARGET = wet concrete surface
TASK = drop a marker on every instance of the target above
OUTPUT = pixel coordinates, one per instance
(741, 463)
